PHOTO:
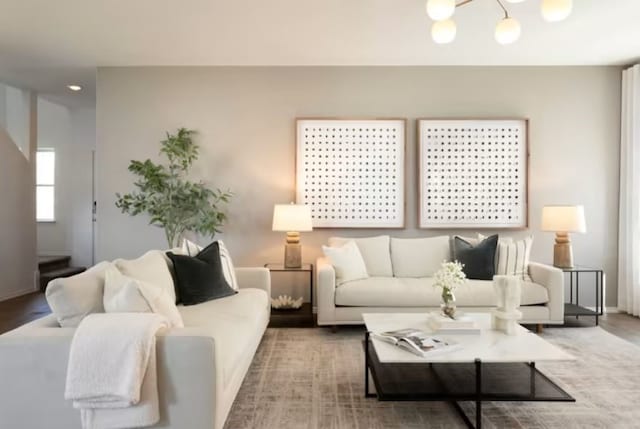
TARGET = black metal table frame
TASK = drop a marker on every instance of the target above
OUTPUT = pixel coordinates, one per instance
(275, 268)
(478, 397)
(599, 287)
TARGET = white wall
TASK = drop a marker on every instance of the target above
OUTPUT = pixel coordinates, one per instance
(14, 116)
(71, 133)
(18, 257)
(245, 119)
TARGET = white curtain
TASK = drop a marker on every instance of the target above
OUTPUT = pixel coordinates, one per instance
(629, 233)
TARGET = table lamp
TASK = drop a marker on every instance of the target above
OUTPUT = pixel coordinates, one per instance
(292, 219)
(562, 220)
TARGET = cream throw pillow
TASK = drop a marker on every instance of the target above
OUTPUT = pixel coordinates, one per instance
(73, 298)
(347, 262)
(513, 258)
(150, 268)
(375, 252)
(123, 294)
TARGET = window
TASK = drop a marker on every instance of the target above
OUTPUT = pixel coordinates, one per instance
(45, 185)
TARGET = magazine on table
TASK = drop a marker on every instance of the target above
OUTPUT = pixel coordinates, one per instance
(418, 342)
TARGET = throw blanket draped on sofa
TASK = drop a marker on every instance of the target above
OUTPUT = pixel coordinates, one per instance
(111, 375)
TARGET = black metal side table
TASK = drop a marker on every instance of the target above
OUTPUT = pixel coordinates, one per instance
(302, 317)
(573, 307)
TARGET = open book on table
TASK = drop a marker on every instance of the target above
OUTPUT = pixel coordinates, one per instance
(417, 342)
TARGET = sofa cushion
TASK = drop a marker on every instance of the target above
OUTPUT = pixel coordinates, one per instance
(418, 257)
(513, 258)
(478, 260)
(234, 322)
(192, 249)
(73, 298)
(200, 278)
(151, 268)
(419, 292)
(347, 262)
(124, 294)
(375, 252)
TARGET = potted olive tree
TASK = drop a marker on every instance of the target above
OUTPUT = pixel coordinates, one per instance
(165, 194)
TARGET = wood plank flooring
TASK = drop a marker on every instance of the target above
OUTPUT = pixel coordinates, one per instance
(18, 311)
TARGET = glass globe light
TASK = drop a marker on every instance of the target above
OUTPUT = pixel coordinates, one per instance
(443, 31)
(439, 10)
(507, 31)
(556, 10)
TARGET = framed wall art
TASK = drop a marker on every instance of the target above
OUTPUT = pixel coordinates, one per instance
(473, 173)
(351, 172)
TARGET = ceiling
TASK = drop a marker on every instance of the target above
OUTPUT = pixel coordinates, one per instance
(45, 45)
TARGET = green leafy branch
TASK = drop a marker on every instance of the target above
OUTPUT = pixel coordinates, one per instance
(170, 200)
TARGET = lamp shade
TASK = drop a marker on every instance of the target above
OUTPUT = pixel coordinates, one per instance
(291, 217)
(563, 219)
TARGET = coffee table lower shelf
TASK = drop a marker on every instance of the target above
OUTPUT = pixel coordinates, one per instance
(458, 382)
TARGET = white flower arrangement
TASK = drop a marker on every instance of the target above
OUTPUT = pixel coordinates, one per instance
(448, 278)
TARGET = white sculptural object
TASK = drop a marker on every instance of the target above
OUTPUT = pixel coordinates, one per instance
(506, 315)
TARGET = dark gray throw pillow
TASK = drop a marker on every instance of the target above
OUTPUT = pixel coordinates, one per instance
(200, 278)
(479, 260)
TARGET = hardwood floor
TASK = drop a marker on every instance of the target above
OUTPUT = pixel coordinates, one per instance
(18, 311)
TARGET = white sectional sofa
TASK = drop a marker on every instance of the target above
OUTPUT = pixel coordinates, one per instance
(397, 283)
(200, 366)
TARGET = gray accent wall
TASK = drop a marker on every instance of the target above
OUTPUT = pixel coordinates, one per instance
(245, 117)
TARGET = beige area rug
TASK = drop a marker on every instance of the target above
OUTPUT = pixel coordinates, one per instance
(312, 378)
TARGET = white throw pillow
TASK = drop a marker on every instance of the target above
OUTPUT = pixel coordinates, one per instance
(419, 257)
(375, 253)
(123, 294)
(347, 261)
(150, 268)
(73, 298)
(228, 270)
(513, 258)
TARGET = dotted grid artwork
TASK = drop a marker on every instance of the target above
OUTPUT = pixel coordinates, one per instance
(473, 173)
(351, 172)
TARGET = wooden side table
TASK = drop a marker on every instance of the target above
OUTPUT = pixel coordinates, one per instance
(302, 317)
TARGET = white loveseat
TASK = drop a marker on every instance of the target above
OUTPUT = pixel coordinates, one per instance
(200, 366)
(396, 284)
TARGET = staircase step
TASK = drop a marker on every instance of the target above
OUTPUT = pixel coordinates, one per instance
(52, 263)
(46, 277)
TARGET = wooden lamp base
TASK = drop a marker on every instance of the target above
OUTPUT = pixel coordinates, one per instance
(562, 251)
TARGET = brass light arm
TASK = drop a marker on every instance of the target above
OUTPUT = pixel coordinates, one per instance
(504, 9)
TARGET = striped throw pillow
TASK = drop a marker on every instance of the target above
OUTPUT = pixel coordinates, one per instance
(227, 266)
(513, 258)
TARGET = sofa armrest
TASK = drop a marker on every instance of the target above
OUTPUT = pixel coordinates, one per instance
(553, 279)
(254, 277)
(326, 292)
(33, 361)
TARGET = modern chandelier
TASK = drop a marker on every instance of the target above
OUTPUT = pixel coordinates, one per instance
(507, 29)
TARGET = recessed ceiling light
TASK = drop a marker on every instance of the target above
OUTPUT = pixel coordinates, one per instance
(75, 88)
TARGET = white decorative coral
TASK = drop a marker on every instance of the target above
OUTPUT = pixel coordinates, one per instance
(285, 302)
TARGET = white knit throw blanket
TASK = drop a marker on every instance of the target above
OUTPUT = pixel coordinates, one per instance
(111, 375)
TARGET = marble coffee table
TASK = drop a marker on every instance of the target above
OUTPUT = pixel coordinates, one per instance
(491, 366)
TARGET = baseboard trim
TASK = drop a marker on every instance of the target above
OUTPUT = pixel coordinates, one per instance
(607, 309)
(16, 294)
